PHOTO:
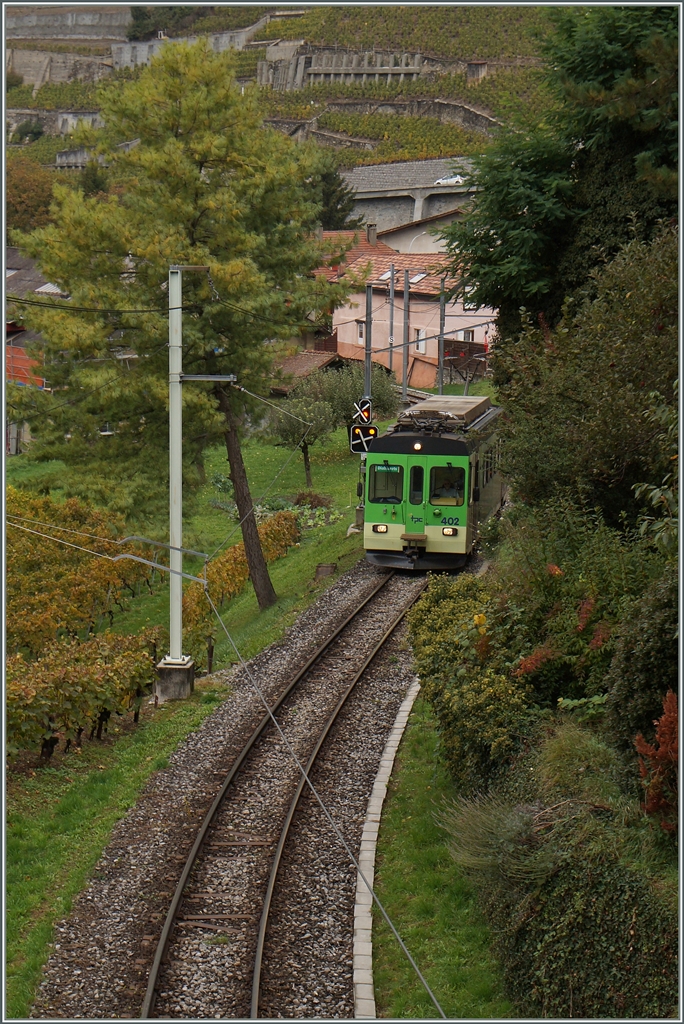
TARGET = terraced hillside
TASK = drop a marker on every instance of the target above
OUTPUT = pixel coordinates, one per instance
(444, 112)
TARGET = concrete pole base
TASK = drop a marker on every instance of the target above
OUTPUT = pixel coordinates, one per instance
(174, 681)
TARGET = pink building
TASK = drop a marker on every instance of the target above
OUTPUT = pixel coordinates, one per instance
(467, 330)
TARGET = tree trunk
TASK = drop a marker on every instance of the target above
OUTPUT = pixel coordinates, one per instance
(263, 588)
(307, 465)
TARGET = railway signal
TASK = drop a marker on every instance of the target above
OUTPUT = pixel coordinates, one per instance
(360, 437)
(363, 410)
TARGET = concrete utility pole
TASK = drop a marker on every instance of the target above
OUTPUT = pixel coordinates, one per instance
(177, 670)
(391, 317)
(367, 340)
(440, 357)
(404, 351)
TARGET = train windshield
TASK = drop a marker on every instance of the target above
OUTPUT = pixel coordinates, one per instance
(386, 484)
(447, 485)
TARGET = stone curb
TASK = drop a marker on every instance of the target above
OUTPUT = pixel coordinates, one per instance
(364, 993)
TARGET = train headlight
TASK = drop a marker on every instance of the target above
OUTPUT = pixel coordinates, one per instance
(380, 528)
(417, 446)
(450, 531)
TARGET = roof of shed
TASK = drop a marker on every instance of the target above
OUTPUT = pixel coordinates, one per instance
(300, 365)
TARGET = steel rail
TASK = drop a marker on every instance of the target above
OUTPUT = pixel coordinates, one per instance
(151, 992)
(263, 924)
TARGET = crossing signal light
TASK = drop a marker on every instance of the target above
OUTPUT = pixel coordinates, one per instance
(363, 410)
(360, 437)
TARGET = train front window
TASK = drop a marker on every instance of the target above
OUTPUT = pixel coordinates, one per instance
(416, 485)
(447, 485)
(386, 484)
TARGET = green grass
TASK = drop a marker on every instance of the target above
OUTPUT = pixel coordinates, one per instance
(59, 819)
(430, 903)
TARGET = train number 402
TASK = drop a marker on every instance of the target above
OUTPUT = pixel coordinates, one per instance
(450, 521)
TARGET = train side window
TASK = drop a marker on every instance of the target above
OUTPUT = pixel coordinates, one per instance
(386, 484)
(447, 485)
(416, 479)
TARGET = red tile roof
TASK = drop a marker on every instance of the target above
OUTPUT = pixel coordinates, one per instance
(381, 257)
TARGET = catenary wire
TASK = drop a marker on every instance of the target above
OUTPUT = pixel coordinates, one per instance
(108, 540)
(323, 807)
(111, 558)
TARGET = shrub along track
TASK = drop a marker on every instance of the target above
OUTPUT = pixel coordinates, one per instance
(104, 951)
(233, 867)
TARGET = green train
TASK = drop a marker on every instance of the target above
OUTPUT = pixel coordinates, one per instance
(429, 483)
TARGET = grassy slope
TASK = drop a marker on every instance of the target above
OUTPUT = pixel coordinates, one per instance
(432, 906)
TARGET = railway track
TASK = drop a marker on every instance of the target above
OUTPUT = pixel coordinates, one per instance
(215, 939)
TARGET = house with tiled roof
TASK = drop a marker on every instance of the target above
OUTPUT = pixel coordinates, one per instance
(22, 279)
(405, 289)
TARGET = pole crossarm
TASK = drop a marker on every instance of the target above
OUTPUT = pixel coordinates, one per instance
(229, 377)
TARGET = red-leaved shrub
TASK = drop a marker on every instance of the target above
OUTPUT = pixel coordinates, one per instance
(658, 765)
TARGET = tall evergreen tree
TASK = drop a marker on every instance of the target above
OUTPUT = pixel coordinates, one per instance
(205, 184)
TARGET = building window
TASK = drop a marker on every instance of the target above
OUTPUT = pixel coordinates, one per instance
(419, 338)
(361, 326)
(467, 336)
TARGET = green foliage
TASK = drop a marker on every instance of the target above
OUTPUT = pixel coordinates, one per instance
(13, 80)
(28, 193)
(603, 153)
(73, 682)
(508, 245)
(93, 179)
(303, 422)
(577, 399)
(563, 582)
(226, 576)
(663, 530)
(580, 929)
(335, 196)
(404, 138)
(205, 186)
(28, 131)
(645, 664)
(466, 32)
(617, 69)
(340, 389)
(483, 714)
(147, 21)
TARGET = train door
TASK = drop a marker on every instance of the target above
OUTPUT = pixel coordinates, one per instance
(417, 506)
(473, 499)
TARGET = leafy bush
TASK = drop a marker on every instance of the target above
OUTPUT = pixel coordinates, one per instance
(75, 684)
(580, 929)
(564, 581)
(483, 714)
(52, 588)
(313, 500)
(659, 766)
(28, 131)
(576, 399)
(13, 80)
(645, 663)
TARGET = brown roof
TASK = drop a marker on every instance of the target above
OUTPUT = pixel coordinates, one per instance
(360, 249)
(381, 257)
(300, 365)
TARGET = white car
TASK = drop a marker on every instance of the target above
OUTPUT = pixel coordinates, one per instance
(455, 179)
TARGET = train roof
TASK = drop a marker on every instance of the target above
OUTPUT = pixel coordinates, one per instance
(453, 413)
